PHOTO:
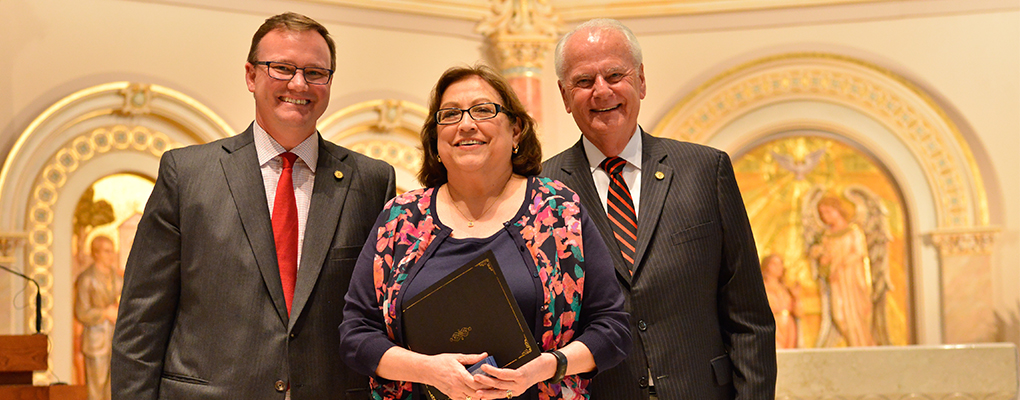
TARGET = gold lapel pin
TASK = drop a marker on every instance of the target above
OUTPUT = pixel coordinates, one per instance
(339, 175)
(659, 175)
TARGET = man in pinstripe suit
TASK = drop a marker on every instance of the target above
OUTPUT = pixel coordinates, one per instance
(699, 314)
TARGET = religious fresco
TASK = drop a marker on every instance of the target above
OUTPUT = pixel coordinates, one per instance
(104, 224)
(830, 228)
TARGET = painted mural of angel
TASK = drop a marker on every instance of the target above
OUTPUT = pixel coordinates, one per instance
(802, 168)
(848, 250)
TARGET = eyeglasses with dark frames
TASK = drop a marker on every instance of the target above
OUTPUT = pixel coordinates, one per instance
(478, 112)
(285, 71)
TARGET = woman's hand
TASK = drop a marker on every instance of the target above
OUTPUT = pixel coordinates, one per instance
(503, 383)
(447, 372)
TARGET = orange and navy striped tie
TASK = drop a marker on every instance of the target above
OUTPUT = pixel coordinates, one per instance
(620, 207)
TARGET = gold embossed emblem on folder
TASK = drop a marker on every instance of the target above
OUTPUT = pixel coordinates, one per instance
(460, 334)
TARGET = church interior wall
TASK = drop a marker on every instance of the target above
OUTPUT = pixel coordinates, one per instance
(968, 62)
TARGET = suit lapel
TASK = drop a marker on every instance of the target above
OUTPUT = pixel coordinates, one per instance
(578, 178)
(328, 195)
(655, 180)
(241, 168)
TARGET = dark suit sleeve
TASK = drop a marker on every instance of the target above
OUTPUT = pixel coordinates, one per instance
(391, 188)
(151, 292)
(363, 339)
(744, 312)
(605, 326)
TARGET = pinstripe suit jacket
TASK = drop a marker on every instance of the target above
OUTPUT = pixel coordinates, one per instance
(202, 315)
(700, 318)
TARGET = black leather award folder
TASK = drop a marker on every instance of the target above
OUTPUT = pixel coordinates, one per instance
(470, 311)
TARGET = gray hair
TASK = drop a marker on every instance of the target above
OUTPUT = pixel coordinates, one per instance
(598, 24)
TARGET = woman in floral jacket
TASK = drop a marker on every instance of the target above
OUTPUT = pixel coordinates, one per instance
(481, 158)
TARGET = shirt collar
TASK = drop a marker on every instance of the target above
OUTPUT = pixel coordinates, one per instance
(268, 148)
(631, 152)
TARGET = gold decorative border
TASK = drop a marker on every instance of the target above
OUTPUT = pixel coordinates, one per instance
(819, 76)
(398, 155)
(964, 242)
(125, 89)
(54, 175)
(471, 10)
(580, 10)
(390, 118)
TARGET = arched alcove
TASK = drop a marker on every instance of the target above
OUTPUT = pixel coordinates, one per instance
(383, 129)
(119, 127)
(908, 134)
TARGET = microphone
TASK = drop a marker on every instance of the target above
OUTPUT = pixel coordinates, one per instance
(38, 298)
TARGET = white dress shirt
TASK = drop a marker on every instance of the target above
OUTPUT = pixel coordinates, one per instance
(269, 150)
(631, 171)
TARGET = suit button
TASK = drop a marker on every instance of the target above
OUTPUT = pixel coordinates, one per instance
(642, 325)
(643, 382)
(281, 386)
(293, 336)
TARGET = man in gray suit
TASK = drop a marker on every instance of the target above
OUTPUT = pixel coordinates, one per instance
(235, 284)
(699, 314)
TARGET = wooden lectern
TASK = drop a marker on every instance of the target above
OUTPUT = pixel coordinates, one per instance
(20, 356)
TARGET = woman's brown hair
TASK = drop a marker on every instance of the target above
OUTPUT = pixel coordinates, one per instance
(527, 161)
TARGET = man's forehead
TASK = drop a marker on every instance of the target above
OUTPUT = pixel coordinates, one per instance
(596, 68)
(596, 45)
(594, 36)
(598, 60)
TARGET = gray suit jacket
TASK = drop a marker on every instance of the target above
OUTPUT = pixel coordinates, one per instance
(202, 315)
(699, 314)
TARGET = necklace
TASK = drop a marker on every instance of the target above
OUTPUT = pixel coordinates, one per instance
(470, 223)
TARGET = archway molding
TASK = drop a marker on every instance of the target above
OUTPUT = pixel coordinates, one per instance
(385, 129)
(119, 127)
(876, 110)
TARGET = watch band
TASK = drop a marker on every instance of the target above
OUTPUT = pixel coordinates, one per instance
(561, 367)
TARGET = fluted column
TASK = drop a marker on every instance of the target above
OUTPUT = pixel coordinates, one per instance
(520, 33)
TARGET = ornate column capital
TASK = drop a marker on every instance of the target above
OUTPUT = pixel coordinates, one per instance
(520, 32)
(964, 241)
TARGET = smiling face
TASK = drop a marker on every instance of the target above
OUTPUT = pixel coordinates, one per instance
(288, 110)
(602, 87)
(471, 146)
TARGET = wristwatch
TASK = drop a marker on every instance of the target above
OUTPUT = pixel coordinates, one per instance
(561, 367)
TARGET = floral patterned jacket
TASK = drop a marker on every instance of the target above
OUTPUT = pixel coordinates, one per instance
(583, 300)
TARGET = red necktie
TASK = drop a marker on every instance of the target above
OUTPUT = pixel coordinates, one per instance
(620, 208)
(285, 227)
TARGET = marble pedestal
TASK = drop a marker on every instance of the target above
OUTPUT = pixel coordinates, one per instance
(978, 372)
